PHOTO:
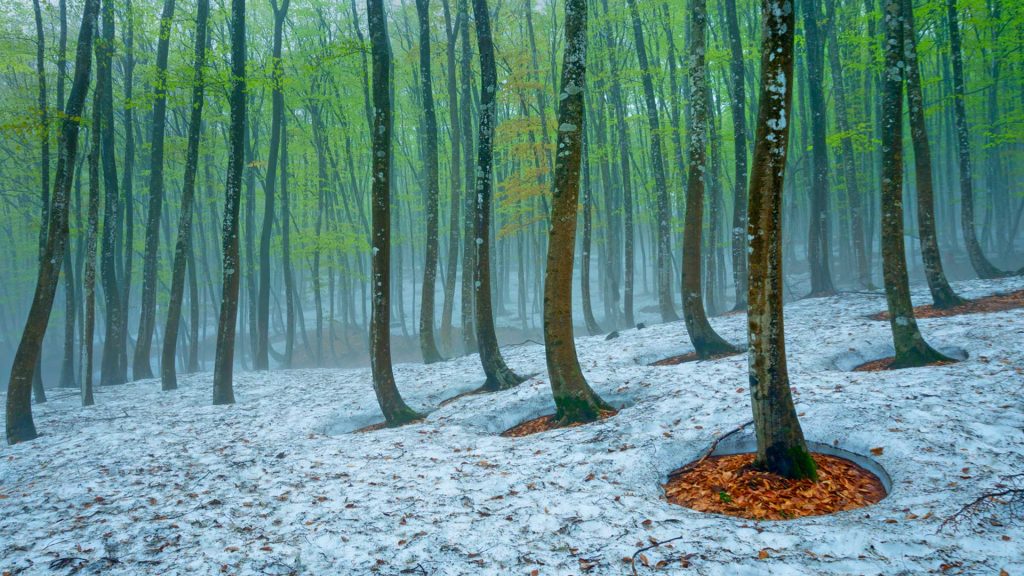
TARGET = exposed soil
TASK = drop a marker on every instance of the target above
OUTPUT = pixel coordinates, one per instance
(546, 423)
(378, 426)
(690, 357)
(886, 364)
(729, 485)
(993, 303)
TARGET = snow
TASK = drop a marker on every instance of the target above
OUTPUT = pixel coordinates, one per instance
(167, 484)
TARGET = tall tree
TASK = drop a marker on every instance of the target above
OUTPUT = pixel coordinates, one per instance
(112, 368)
(67, 372)
(943, 295)
(223, 391)
(428, 345)
(499, 376)
(396, 412)
(262, 361)
(706, 342)
(467, 309)
(663, 215)
(981, 264)
(739, 128)
(911, 349)
(19, 424)
(183, 245)
(819, 247)
(147, 314)
(781, 447)
(455, 131)
(575, 401)
(44, 167)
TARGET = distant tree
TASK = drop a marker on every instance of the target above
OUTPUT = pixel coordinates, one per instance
(183, 245)
(781, 447)
(19, 424)
(428, 344)
(499, 375)
(44, 167)
(575, 401)
(911, 349)
(706, 341)
(223, 391)
(396, 412)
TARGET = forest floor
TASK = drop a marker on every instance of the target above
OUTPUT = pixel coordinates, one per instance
(149, 482)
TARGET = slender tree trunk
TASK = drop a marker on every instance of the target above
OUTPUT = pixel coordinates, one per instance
(499, 376)
(147, 314)
(819, 248)
(183, 246)
(982, 266)
(943, 295)
(781, 447)
(92, 233)
(456, 192)
(469, 341)
(428, 346)
(588, 205)
(262, 361)
(223, 391)
(396, 412)
(575, 401)
(67, 373)
(739, 128)
(44, 180)
(19, 424)
(128, 175)
(289, 277)
(663, 214)
(911, 349)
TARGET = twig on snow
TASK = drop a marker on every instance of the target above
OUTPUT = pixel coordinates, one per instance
(711, 449)
(632, 561)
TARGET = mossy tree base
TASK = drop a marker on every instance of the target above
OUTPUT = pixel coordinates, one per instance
(792, 462)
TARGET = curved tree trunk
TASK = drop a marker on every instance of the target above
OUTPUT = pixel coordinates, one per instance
(428, 346)
(147, 314)
(575, 401)
(781, 447)
(499, 376)
(183, 246)
(911, 349)
(396, 412)
(943, 295)
(706, 341)
(19, 424)
(224, 362)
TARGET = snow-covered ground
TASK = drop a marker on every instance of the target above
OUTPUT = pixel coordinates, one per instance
(148, 482)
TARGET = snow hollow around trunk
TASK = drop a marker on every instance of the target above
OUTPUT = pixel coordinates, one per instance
(148, 482)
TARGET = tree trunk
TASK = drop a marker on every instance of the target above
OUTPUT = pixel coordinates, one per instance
(499, 376)
(147, 314)
(396, 412)
(183, 246)
(575, 401)
(819, 248)
(588, 205)
(262, 360)
(223, 391)
(469, 341)
(982, 266)
(448, 308)
(19, 424)
(663, 215)
(911, 349)
(739, 128)
(706, 342)
(44, 180)
(428, 346)
(943, 295)
(781, 447)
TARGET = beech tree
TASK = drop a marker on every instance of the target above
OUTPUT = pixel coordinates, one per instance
(781, 447)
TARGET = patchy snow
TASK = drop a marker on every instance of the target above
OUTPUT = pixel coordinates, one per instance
(148, 482)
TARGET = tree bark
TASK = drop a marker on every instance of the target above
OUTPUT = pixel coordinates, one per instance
(19, 424)
(183, 246)
(147, 314)
(911, 349)
(575, 401)
(223, 391)
(44, 166)
(706, 342)
(499, 376)
(781, 447)
(739, 128)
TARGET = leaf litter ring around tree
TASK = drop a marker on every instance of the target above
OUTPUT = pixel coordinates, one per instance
(692, 357)
(548, 422)
(729, 485)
